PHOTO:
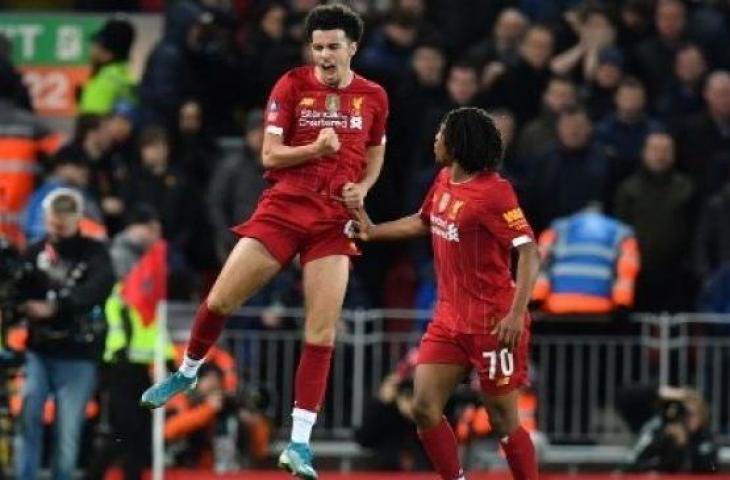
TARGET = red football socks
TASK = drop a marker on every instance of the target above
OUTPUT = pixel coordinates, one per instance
(311, 379)
(520, 455)
(440, 444)
(207, 327)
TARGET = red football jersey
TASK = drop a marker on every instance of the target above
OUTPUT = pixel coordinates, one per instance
(474, 225)
(300, 106)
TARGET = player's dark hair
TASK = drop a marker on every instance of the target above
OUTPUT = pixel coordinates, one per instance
(472, 139)
(334, 17)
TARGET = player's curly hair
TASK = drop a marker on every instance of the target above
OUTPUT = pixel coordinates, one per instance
(333, 17)
(472, 139)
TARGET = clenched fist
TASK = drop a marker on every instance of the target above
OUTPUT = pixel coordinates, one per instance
(327, 141)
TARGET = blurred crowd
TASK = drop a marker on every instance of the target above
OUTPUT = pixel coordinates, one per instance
(623, 107)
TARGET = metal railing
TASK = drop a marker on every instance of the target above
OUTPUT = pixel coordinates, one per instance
(578, 377)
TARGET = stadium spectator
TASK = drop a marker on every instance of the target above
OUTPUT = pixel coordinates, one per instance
(24, 142)
(66, 334)
(462, 86)
(598, 93)
(572, 173)
(520, 87)
(589, 265)
(636, 22)
(169, 75)
(683, 95)
(596, 32)
(460, 27)
(69, 172)
(712, 244)
(121, 125)
(654, 57)
(143, 229)
(709, 25)
(208, 427)
(388, 429)
(623, 132)
(156, 183)
(195, 152)
(130, 349)
(192, 419)
(20, 95)
(236, 185)
(270, 50)
(385, 56)
(658, 203)
(91, 144)
(705, 137)
(506, 126)
(295, 20)
(420, 91)
(678, 437)
(715, 294)
(538, 135)
(195, 155)
(111, 80)
(500, 49)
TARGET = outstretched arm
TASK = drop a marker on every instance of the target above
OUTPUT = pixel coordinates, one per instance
(407, 227)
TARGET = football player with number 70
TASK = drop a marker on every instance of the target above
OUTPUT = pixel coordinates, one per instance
(480, 318)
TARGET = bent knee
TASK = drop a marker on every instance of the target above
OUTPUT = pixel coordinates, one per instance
(426, 414)
(220, 304)
(503, 423)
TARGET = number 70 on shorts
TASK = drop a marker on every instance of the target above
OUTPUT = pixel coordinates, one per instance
(503, 359)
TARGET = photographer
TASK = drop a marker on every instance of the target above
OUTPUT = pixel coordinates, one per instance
(678, 438)
(213, 427)
(73, 276)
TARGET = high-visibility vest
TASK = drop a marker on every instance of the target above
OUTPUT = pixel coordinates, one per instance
(111, 84)
(590, 264)
(128, 338)
(22, 138)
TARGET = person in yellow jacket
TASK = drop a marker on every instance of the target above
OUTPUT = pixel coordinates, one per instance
(129, 353)
(111, 80)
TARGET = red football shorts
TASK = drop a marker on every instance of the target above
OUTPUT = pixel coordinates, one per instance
(299, 221)
(500, 370)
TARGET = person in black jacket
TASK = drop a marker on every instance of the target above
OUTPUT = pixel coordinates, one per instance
(678, 437)
(659, 203)
(65, 312)
(169, 76)
(388, 427)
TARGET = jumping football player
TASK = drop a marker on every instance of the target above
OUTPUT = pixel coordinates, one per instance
(323, 150)
(480, 319)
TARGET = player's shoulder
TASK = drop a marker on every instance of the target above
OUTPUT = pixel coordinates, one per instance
(443, 176)
(493, 180)
(297, 75)
(365, 85)
(490, 185)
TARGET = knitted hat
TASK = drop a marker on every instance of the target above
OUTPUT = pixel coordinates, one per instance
(117, 36)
